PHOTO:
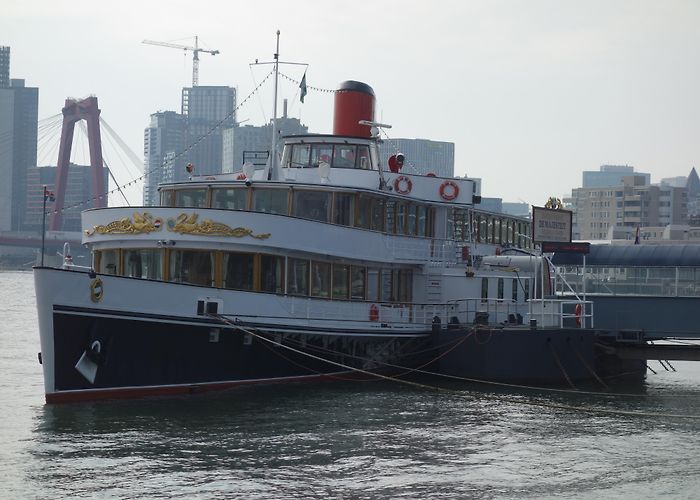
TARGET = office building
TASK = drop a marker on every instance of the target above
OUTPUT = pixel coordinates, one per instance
(630, 205)
(172, 140)
(19, 108)
(78, 189)
(610, 175)
(249, 138)
(164, 139)
(422, 156)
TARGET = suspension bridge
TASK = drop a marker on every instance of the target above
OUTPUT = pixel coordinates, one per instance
(73, 138)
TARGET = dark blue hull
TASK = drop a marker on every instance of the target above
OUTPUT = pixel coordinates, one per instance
(144, 356)
(544, 357)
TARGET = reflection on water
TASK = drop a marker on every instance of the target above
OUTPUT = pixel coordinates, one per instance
(340, 440)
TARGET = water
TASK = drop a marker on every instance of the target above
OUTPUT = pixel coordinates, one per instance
(341, 440)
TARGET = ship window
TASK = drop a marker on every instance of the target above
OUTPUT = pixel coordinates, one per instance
(340, 281)
(484, 289)
(500, 288)
(401, 215)
(232, 199)
(421, 219)
(238, 271)
(411, 219)
(386, 278)
(196, 198)
(344, 204)
(363, 157)
(390, 216)
(300, 155)
(515, 290)
(320, 279)
(357, 282)
(167, 198)
(496, 231)
(192, 266)
(405, 287)
(108, 261)
(377, 222)
(271, 201)
(143, 263)
(344, 156)
(321, 152)
(372, 284)
(450, 225)
(526, 290)
(483, 229)
(298, 277)
(271, 273)
(311, 205)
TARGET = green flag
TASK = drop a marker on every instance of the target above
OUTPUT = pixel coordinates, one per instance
(302, 86)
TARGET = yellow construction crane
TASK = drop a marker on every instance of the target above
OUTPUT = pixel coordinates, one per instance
(195, 54)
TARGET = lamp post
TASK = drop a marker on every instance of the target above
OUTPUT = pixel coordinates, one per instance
(48, 195)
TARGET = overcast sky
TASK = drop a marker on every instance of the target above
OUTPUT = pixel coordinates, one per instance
(531, 92)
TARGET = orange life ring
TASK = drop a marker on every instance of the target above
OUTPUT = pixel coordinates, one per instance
(449, 190)
(403, 184)
(374, 313)
(578, 311)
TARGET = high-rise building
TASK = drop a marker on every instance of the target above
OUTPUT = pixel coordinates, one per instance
(164, 139)
(610, 175)
(422, 156)
(4, 67)
(19, 108)
(172, 140)
(238, 140)
(631, 204)
(208, 112)
(78, 189)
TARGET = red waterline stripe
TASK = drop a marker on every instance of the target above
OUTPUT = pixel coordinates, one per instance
(172, 390)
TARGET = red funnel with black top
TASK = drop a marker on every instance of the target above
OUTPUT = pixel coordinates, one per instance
(354, 101)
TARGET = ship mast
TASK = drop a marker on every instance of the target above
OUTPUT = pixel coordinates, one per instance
(273, 145)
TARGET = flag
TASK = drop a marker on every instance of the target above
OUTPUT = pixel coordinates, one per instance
(302, 86)
(48, 195)
(636, 236)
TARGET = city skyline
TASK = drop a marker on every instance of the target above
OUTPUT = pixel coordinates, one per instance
(531, 94)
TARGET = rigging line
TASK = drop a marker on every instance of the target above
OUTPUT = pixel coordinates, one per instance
(309, 87)
(115, 181)
(396, 151)
(138, 163)
(177, 156)
(111, 140)
(48, 143)
(262, 109)
(559, 406)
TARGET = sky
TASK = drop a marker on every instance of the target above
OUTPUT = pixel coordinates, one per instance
(532, 92)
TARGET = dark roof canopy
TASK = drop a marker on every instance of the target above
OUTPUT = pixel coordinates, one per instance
(634, 256)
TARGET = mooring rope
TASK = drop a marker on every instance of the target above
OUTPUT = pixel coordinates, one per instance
(558, 406)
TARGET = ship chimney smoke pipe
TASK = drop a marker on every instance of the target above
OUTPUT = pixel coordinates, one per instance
(354, 101)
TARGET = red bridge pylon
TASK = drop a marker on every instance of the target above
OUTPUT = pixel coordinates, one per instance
(73, 112)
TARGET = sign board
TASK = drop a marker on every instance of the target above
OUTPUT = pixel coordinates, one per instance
(578, 247)
(551, 225)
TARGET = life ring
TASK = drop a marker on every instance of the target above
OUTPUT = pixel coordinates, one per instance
(96, 290)
(449, 190)
(578, 311)
(374, 313)
(403, 185)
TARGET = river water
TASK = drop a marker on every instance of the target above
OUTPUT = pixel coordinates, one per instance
(341, 440)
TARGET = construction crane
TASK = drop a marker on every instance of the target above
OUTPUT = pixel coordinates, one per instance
(195, 54)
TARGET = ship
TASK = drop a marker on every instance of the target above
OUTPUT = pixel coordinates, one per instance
(324, 262)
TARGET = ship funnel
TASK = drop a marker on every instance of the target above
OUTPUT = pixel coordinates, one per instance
(354, 101)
